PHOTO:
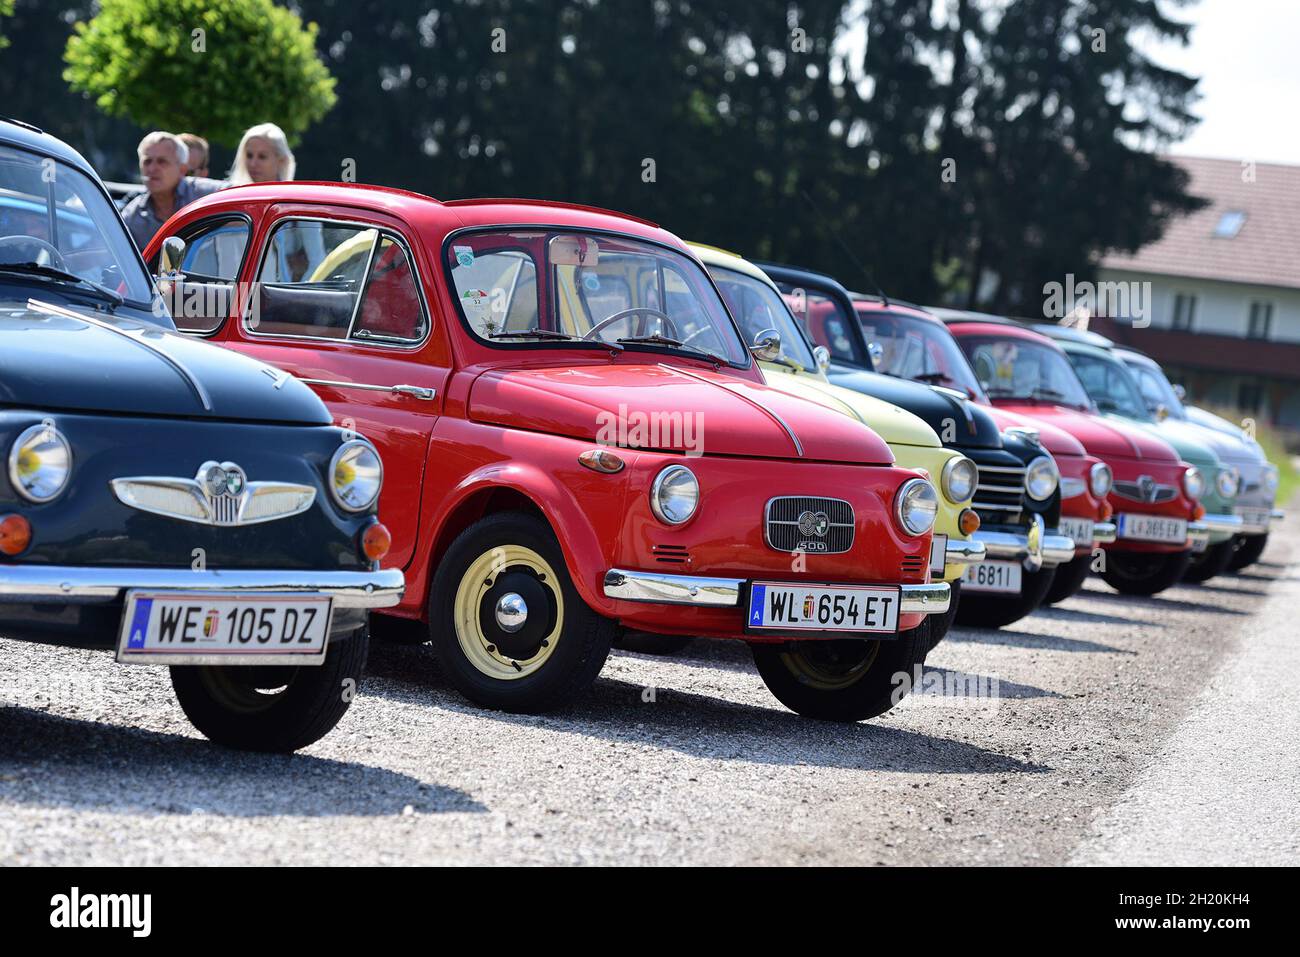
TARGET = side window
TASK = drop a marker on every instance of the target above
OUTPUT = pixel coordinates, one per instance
(390, 305)
(311, 279)
(214, 251)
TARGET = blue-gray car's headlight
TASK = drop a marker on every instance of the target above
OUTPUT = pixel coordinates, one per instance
(916, 506)
(356, 476)
(1271, 479)
(40, 463)
(1042, 478)
(1228, 481)
(675, 495)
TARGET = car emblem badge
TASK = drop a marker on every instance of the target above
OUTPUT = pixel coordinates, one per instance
(814, 523)
(1147, 486)
(220, 494)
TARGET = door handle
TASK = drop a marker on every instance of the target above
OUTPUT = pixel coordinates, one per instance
(419, 392)
(415, 391)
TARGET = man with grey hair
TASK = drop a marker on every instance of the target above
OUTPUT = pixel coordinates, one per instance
(162, 167)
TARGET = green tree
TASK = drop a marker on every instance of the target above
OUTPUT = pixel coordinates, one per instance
(215, 67)
(6, 10)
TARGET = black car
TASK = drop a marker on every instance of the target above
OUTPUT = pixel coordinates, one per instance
(175, 502)
(1018, 518)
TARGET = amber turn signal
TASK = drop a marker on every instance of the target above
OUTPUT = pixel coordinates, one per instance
(1198, 513)
(601, 460)
(15, 534)
(375, 541)
(1107, 512)
(968, 521)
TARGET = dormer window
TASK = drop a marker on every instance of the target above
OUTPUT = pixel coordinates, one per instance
(1230, 224)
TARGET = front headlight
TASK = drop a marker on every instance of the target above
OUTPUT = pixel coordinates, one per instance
(1193, 484)
(1041, 478)
(959, 478)
(675, 495)
(1101, 480)
(916, 506)
(1271, 478)
(40, 463)
(356, 476)
(1228, 481)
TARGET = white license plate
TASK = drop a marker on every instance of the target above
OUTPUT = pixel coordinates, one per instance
(206, 628)
(938, 555)
(1079, 529)
(1255, 517)
(1153, 528)
(1002, 578)
(787, 607)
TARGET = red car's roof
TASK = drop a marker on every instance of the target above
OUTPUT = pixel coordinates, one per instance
(426, 213)
(999, 330)
(875, 304)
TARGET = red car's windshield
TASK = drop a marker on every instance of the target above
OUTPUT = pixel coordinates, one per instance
(911, 347)
(1015, 368)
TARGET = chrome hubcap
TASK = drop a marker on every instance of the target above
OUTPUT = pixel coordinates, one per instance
(511, 612)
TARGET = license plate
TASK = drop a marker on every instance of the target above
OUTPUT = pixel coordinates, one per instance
(1153, 528)
(1079, 529)
(206, 629)
(1002, 578)
(1255, 517)
(787, 607)
(938, 555)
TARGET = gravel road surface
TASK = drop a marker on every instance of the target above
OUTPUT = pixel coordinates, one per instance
(1123, 730)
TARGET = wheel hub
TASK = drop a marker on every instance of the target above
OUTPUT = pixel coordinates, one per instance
(513, 614)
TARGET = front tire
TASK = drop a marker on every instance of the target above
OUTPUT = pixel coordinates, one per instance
(536, 651)
(844, 679)
(1069, 578)
(272, 708)
(1211, 562)
(1145, 573)
(991, 611)
(1249, 551)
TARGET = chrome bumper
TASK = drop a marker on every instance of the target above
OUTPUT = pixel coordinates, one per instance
(1103, 533)
(661, 589)
(1222, 524)
(966, 552)
(1198, 534)
(1035, 548)
(1250, 528)
(42, 584)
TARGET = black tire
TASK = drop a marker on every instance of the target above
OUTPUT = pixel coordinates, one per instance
(558, 654)
(1145, 573)
(1069, 578)
(992, 611)
(940, 624)
(644, 643)
(815, 678)
(1211, 562)
(236, 706)
(1249, 550)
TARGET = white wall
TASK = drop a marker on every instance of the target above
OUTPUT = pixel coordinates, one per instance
(1221, 307)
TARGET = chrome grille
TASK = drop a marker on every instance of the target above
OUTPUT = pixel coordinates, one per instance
(225, 510)
(788, 528)
(1148, 492)
(1000, 493)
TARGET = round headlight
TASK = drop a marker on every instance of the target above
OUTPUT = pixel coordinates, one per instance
(1271, 478)
(1100, 480)
(40, 463)
(1193, 484)
(356, 476)
(675, 495)
(959, 478)
(1228, 481)
(916, 506)
(1041, 478)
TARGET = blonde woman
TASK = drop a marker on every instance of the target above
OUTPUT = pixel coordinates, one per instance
(263, 157)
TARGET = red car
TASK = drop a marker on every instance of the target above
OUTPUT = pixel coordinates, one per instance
(1154, 493)
(911, 342)
(575, 439)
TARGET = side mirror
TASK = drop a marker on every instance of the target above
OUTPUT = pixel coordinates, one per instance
(1180, 392)
(823, 357)
(1162, 412)
(170, 257)
(767, 345)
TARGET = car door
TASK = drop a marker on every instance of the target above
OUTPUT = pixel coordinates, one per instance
(336, 298)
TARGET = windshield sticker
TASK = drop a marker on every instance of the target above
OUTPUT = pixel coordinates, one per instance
(591, 282)
(464, 255)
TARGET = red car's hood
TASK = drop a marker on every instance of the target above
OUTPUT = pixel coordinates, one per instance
(1101, 437)
(1055, 439)
(669, 408)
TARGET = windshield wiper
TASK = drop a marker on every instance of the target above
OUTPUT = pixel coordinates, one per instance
(931, 378)
(1049, 394)
(49, 272)
(661, 340)
(552, 335)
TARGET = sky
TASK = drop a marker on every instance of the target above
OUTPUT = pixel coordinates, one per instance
(1247, 53)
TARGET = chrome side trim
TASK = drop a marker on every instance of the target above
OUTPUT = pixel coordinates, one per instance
(672, 589)
(419, 392)
(55, 583)
(964, 552)
(1104, 532)
(190, 379)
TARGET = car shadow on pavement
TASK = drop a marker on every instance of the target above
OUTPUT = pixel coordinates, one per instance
(953, 677)
(52, 761)
(1228, 590)
(1027, 639)
(1161, 601)
(1060, 613)
(705, 726)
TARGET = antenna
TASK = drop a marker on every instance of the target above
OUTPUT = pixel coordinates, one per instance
(871, 280)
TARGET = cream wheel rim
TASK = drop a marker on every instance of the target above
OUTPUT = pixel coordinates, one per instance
(518, 649)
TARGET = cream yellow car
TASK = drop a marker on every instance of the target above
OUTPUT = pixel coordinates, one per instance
(790, 363)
